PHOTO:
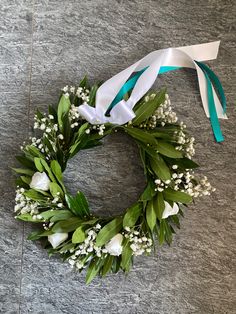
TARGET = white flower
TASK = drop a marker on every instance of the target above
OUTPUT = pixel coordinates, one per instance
(42, 126)
(114, 246)
(40, 181)
(60, 136)
(169, 211)
(57, 238)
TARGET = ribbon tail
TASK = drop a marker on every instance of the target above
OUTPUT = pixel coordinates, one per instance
(215, 124)
(216, 83)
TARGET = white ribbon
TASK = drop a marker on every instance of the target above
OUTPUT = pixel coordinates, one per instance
(179, 57)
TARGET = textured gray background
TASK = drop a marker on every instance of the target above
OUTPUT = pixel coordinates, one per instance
(47, 44)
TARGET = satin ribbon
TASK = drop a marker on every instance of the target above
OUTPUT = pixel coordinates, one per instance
(139, 77)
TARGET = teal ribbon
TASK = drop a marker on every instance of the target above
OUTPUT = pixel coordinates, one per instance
(215, 123)
(210, 78)
(129, 85)
(216, 82)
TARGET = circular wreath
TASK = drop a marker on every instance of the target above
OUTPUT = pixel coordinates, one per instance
(66, 224)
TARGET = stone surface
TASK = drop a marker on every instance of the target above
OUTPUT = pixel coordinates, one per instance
(45, 45)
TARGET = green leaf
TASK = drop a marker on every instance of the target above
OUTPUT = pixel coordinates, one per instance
(143, 158)
(82, 129)
(66, 247)
(21, 183)
(67, 225)
(159, 205)
(126, 256)
(54, 189)
(151, 151)
(38, 165)
(51, 213)
(26, 162)
(84, 82)
(75, 205)
(56, 169)
(168, 150)
(177, 196)
(109, 231)
(149, 192)
(147, 108)
(79, 235)
(162, 232)
(26, 180)
(66, 131)
(92, 95)
(168, 232)
(75, 148)
(163, 135)
(52, 111)
(183, 163)
(28, 172)
(93, 270)
(91, 144)
(43, 192)
(48, 170)
(107, 264)
(39, 114)
(132, 215)
(141, 135)
(63, 108)
(175, 220)
(82, 203)
(35, 235)
(151, 215)
(34, 195)
(116, 264)
(63, 214)
(160, 168)
(33, 151)
(27, 217)
(48, 144)
(60, 156)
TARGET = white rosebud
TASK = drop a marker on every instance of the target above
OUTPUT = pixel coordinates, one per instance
(169, 211)
(114, 246)
(57, 238)
(40, 181)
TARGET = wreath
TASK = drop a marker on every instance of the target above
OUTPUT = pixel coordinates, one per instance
(66, 224)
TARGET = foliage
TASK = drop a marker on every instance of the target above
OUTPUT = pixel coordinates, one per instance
(65, 133)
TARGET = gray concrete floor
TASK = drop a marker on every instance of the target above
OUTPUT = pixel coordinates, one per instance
(47, 44)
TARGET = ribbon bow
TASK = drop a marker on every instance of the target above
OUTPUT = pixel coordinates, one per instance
(139, 77)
